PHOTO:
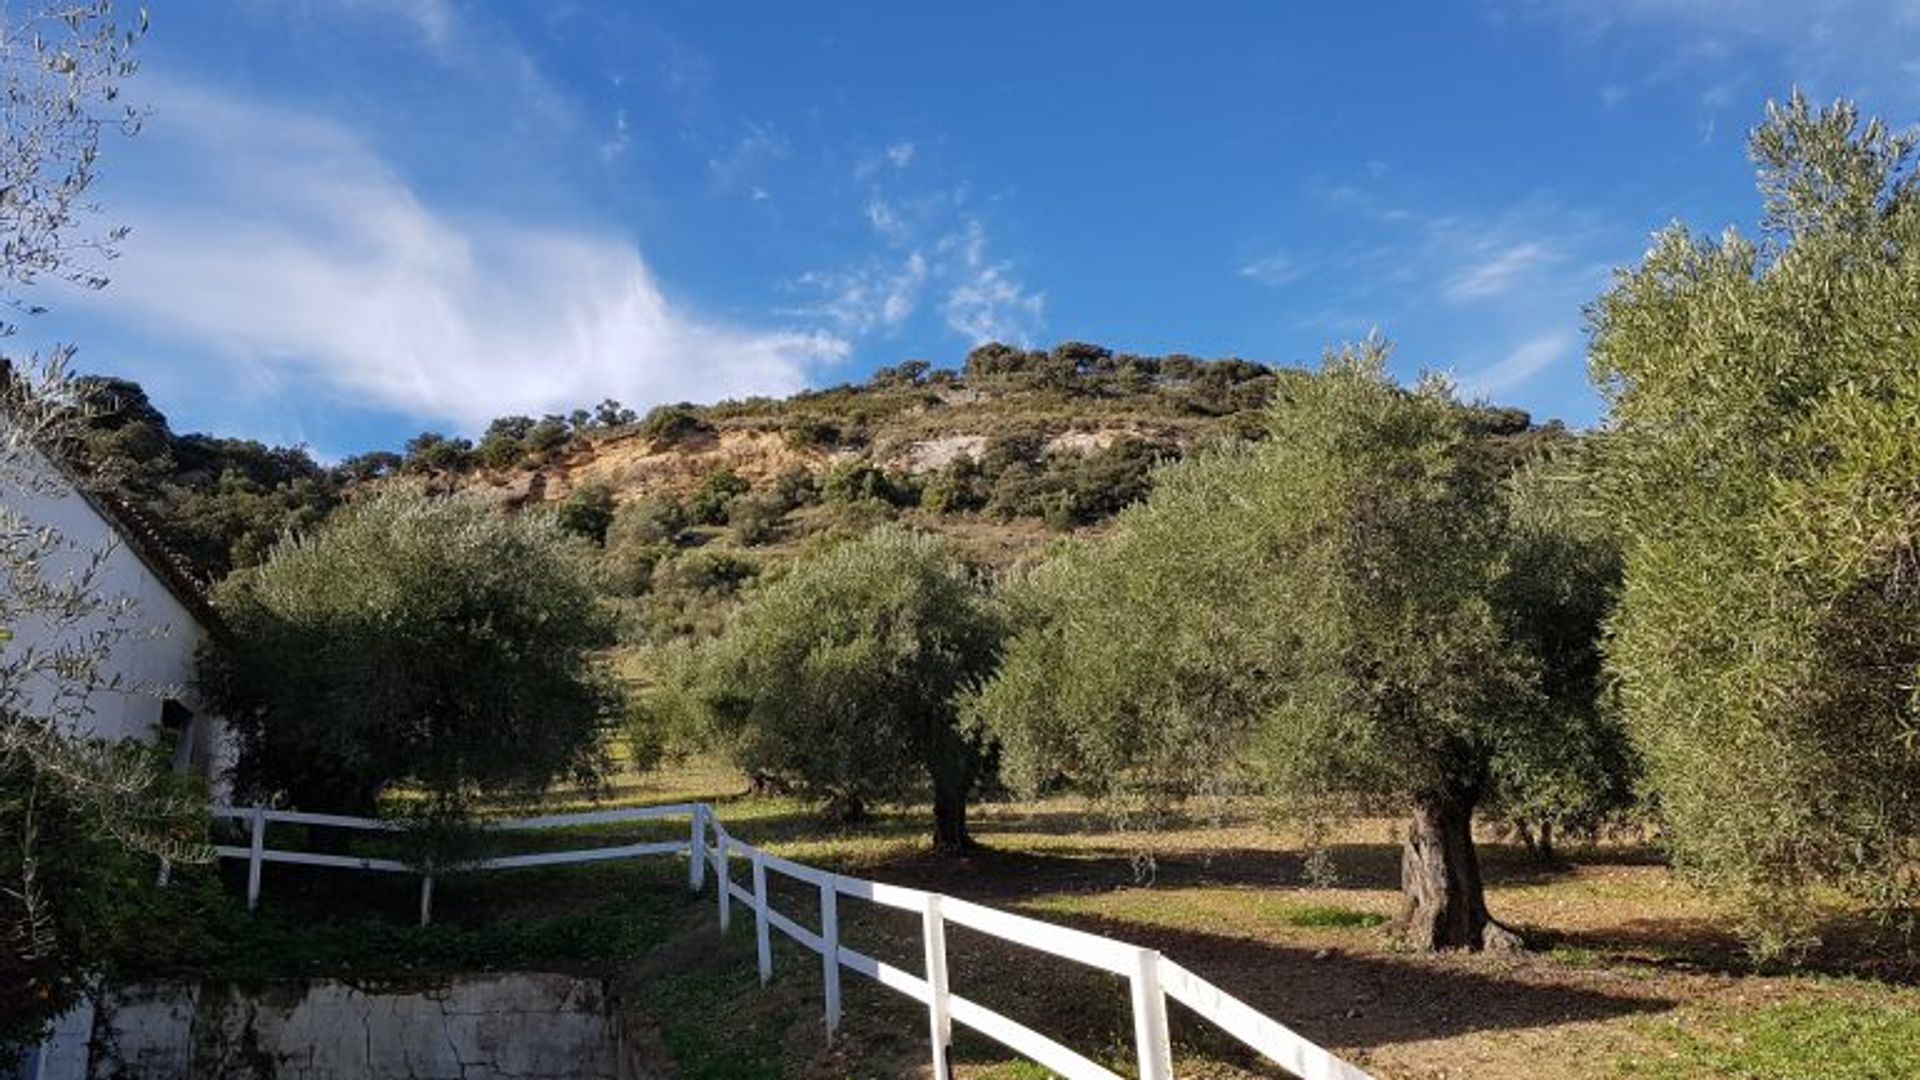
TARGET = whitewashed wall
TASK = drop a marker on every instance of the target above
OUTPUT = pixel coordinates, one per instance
(153, 662)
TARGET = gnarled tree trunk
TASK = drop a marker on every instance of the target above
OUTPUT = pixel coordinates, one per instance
(950, 821)
(1444, 900)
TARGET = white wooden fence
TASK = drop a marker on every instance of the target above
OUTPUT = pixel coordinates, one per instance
(1151, 977)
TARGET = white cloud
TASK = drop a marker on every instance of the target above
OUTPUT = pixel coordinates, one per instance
(433, 20)
(757, 146)
(616, 143)
(286, 244)
(895, 155)
(1498, 273)
(1275, 269)
(931, 245)
(886, 221)
(986, 302)
(1858, 48)
(878, 297)
(1527, 360)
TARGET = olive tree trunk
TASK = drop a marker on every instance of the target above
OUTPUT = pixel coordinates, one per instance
(1443, 898)
(950, 821)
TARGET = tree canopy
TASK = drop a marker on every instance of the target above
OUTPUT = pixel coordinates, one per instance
(843, 677)
(1316, 615)
(413, 639)
(1760, 462)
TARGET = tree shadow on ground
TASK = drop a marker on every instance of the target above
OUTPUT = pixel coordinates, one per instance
(1852, 945)
(1357, 997)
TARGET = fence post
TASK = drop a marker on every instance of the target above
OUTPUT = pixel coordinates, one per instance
(255, 846)
(1150, 1018)
(426, 897)
(933, 933)
(830, 951)
(725, 883)
(697, 849)
(762, 939)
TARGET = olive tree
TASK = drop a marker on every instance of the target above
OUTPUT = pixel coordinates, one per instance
(1580, 771)
(843, 678)
(1759, 459)
(418, 640)
(80, 820)
(1316, 615)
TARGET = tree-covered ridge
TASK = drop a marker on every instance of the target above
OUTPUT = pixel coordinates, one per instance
(221, 503)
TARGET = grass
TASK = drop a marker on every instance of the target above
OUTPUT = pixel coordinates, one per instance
(1842, 1036)
(1638, 977)
(1332, 917)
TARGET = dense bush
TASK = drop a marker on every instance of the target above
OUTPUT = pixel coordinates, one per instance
(587, 511)
(853, 482)
(413, 640)
(755, 519)
(805, 431)
(673, 423)
(710, 504)
(795, 488)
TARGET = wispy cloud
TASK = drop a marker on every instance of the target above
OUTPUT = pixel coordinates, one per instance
(987, 302)
(1497, 272)
(1857, 48)
(874, 298)
(433, 20)
(615, 145)
(894, 156)
(1531, 358)
(289, 244)
(935, 252)
(757, 146)
(1276, 269)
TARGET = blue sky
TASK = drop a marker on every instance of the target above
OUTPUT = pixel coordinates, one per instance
(355, 219)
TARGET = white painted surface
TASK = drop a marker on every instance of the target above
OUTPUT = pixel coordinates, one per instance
(154, 661)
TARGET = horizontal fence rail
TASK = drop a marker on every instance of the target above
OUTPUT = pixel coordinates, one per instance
(1152, 979)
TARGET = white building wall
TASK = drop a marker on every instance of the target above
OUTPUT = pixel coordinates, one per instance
(154, 661)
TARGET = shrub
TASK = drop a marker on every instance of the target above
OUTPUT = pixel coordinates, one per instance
(756, 519)
(710, 504)
(852, 482)
(587, 511)
(958, 488)
(795, 488)
(704, 572)
(674, 423)
(805, 432)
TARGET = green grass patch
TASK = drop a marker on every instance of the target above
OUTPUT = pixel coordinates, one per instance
(590, 920)
(1333, 917)
(1862, 1040)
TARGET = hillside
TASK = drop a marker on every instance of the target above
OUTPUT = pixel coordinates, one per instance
(1005, 453)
